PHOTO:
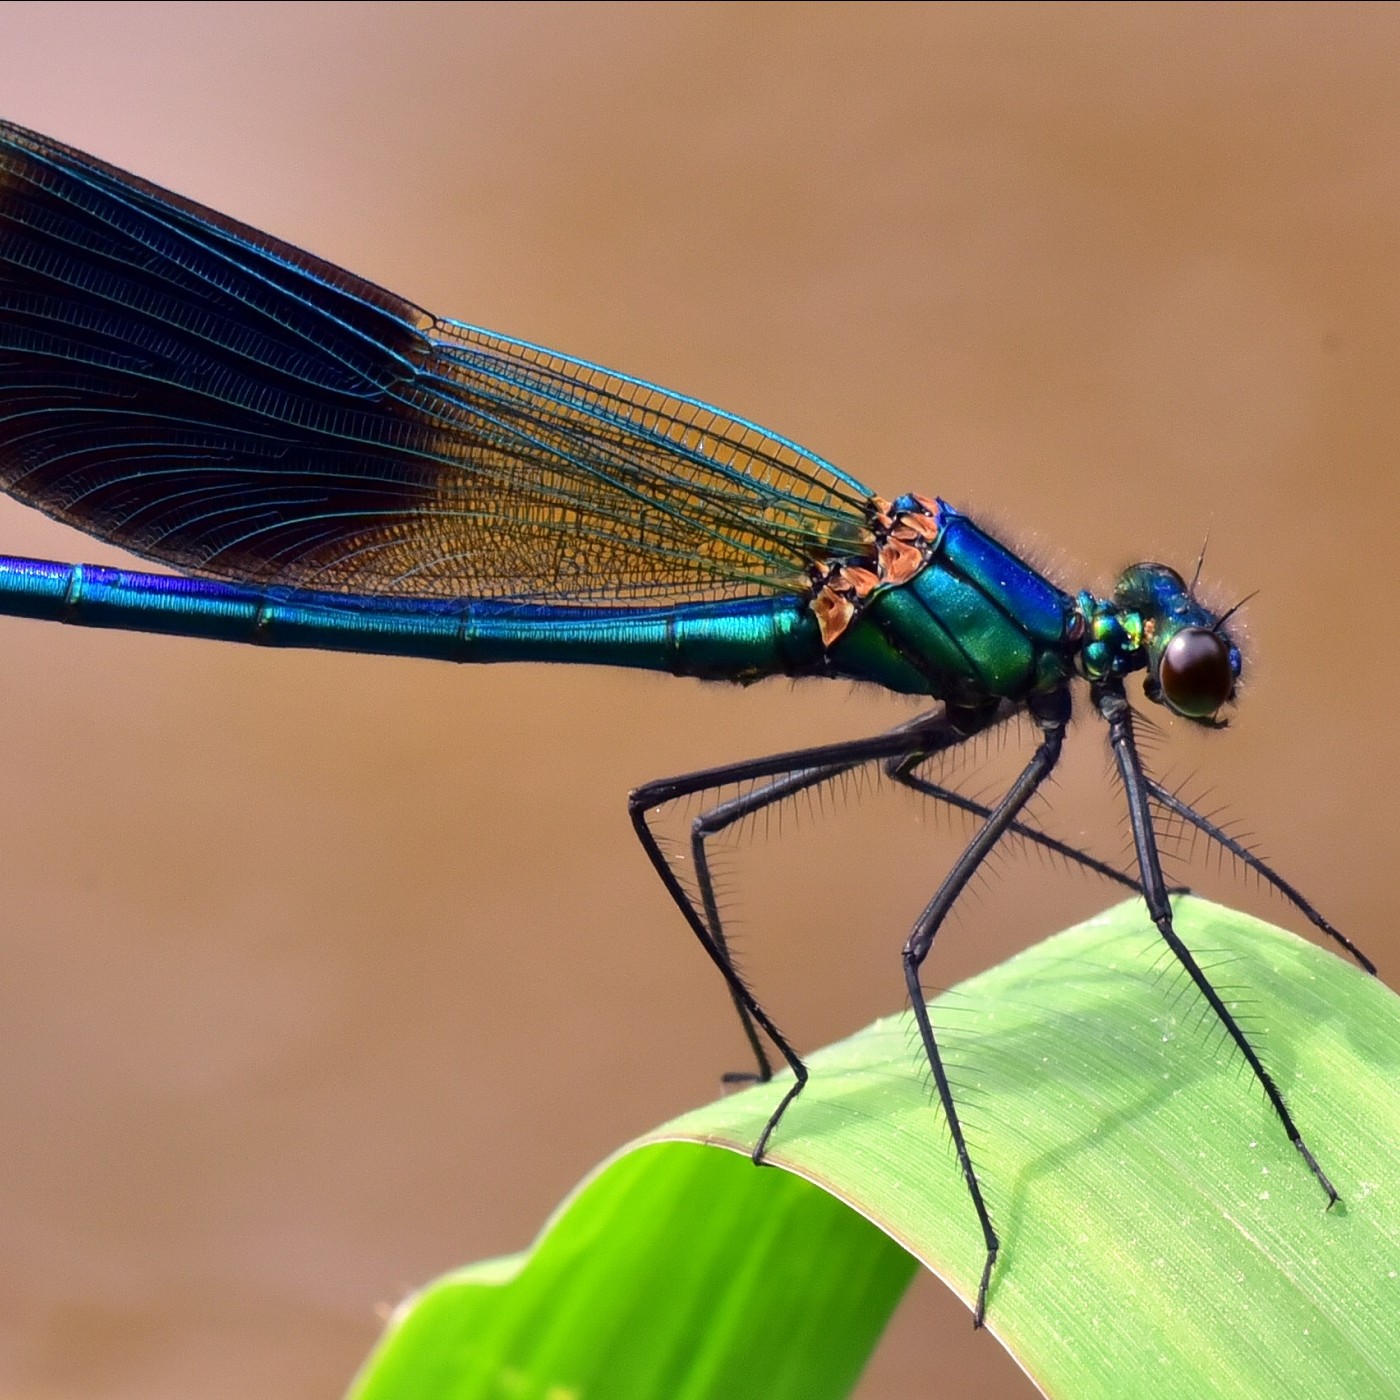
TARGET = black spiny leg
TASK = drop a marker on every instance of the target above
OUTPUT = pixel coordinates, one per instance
(904, 771)
(1113, 705)
(1051, 712)
(936, 734)
(710, 823)
(1246, 857)
(797, 769)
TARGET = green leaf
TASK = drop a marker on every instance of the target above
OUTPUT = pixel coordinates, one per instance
(1160, 1235)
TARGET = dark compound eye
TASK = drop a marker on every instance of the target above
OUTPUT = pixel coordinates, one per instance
(1195, 673)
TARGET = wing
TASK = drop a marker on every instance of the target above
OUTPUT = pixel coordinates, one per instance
(209, 397)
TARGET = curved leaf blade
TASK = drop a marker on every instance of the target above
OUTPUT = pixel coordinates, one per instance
(1159, 1233)
(666, 1274)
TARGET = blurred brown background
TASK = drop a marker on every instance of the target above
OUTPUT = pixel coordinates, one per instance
(324, 974)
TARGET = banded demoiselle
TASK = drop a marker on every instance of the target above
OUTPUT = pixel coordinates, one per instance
(329, 466)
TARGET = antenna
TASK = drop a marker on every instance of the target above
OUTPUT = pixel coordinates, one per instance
(1200, 561)
(1226, 616)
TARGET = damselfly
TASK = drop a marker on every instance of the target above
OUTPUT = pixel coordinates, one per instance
(331, 467)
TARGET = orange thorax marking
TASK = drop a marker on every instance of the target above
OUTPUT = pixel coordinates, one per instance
(904, 544)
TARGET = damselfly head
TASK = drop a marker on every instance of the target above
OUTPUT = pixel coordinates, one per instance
(1192, 665)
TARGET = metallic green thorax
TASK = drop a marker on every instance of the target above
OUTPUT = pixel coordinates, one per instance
(941, 608)
(975, 623)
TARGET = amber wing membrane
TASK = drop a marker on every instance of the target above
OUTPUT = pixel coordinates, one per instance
(209, 397)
